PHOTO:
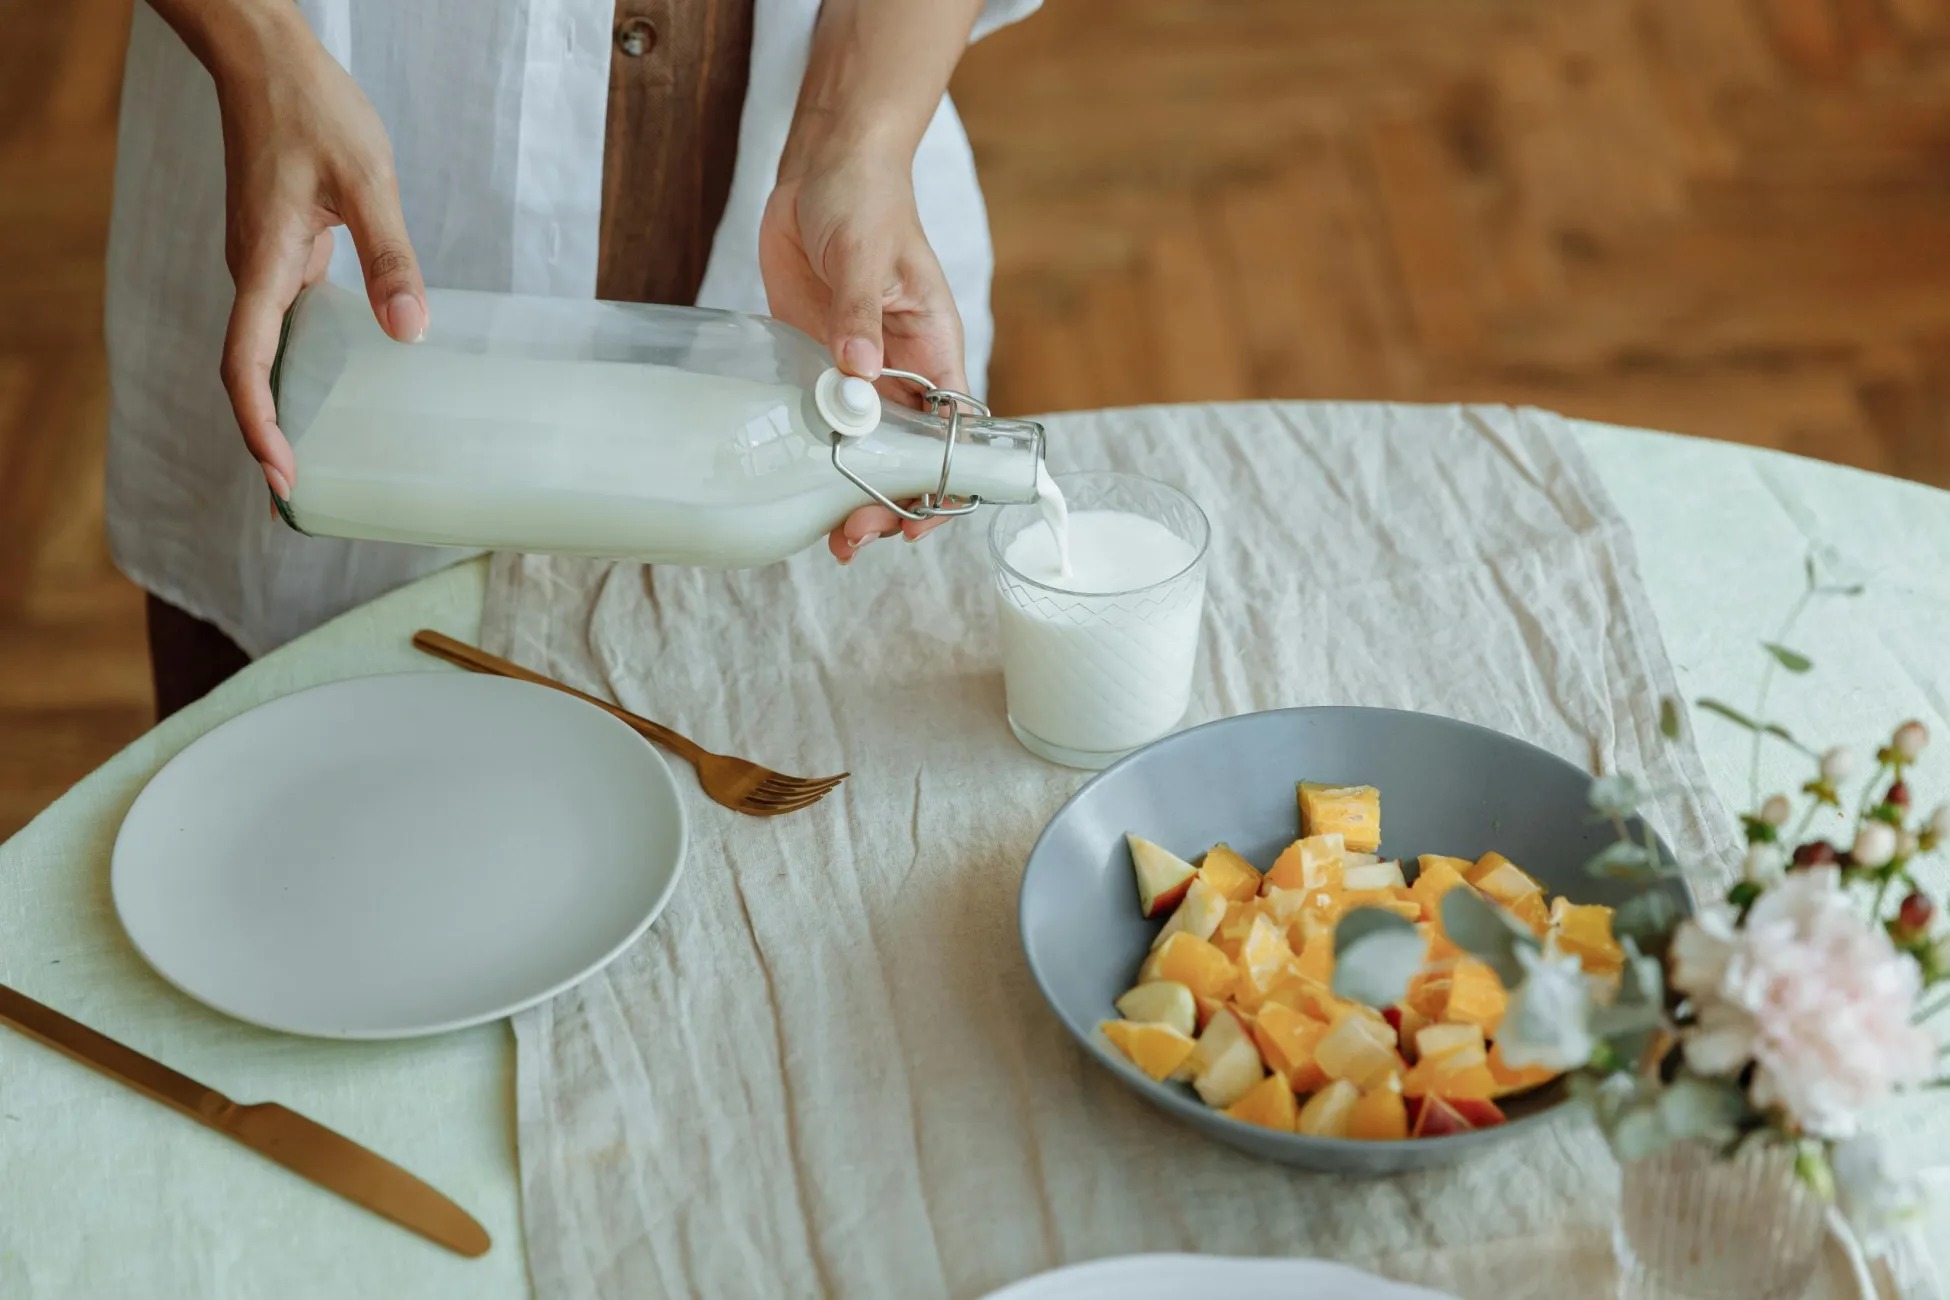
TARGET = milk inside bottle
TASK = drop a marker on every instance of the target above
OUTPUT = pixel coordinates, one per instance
(665, 434)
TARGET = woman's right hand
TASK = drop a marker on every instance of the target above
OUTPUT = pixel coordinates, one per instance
(303, 152)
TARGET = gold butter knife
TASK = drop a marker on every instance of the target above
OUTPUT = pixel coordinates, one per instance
(306, 1148)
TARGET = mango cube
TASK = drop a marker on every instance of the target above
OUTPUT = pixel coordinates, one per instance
(1351, 811)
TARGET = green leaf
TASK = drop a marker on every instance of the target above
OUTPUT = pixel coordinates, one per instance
(1376, 954)
(1669, 717)
(1735, 716)
(1614, 796)
(1792, 660)
(1730, 713)
(1486, 932)
(1625, 860)
(1647, 918)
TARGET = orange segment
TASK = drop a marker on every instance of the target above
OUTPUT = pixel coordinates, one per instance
(1509, 1079)
(1476, 996)
(1327, 1112)
(1434, 877)
(1270, 1104)
(1351, 1050)
(1382, 898)
(1286, 1038)
(1585, 932)
(1533, 912)
(1351, 811)
(1311, 863)
(1484, 865)
(1264, 956)
(1504, 881)
(1156, 1049)
(1233, 876)
(1317, 960)
(1194, 963)
(1381, 1115)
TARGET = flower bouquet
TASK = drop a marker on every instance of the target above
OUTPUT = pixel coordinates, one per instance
(1731, 1058)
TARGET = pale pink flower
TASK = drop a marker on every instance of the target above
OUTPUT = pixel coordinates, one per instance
(1816, 997)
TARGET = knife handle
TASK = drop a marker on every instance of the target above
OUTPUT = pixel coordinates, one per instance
(100, 1052)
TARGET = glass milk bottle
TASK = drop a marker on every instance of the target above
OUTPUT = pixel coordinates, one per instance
(671, 435)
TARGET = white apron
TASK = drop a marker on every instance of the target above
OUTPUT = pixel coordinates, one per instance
(495, 109)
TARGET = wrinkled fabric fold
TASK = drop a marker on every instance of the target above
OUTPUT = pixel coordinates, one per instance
(826, 1071)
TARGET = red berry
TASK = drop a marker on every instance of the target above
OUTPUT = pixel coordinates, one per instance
(1815, 853)
(1898, 795)
(1916, 914)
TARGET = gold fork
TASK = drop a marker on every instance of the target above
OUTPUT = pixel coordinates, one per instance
(737, 783)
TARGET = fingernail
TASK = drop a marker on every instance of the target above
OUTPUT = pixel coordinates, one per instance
(278, 485)
(859, 358)
(406, 319)
(857, 542)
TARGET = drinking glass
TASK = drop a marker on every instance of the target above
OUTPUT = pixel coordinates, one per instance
(1091, 676)
(1693, 1225)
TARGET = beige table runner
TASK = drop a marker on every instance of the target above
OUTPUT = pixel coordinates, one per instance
(826, 1070)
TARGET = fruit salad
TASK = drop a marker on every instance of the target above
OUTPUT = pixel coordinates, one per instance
(1235, 997)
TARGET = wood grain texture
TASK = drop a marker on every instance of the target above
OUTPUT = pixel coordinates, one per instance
(1727, 218)
(670, 143)
(1724, 217)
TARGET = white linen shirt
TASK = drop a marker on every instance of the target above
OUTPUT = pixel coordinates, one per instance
(496, 111)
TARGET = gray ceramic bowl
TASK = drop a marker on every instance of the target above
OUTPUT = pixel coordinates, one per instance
(1446, 787)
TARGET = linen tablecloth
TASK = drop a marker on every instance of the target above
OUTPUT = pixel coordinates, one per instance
(826, 1070)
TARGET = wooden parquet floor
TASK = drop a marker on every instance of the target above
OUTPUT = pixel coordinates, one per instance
(1723, 217)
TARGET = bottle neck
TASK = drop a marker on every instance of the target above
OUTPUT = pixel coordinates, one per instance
(912, 454)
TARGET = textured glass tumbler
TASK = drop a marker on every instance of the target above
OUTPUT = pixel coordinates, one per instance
(1092, 676)
(1692, 1226)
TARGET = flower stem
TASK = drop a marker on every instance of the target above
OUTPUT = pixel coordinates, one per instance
(1882, 895)
(1760, 705)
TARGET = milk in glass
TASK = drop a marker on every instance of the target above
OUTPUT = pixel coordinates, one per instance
(1098, 652)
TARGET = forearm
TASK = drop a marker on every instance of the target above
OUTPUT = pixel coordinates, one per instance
(232, 35)
(876, 74)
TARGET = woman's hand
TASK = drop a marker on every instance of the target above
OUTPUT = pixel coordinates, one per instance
(845, 260)
(303, 152)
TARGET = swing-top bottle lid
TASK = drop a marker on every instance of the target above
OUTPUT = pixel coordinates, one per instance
(848, 403)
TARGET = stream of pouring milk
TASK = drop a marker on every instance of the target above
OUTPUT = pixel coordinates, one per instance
(1086, 667)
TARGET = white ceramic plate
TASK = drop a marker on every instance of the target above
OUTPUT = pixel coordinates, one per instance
(1209, 1277)
(392, 856)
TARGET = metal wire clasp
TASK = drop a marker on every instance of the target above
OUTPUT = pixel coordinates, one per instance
(937, 502)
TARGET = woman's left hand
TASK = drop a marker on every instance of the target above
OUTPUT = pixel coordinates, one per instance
(844, 259)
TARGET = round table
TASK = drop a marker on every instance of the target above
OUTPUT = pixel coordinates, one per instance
(105, 1193)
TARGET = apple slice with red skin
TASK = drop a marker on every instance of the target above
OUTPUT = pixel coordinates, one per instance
(1162, 876)
(1440, 1117)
